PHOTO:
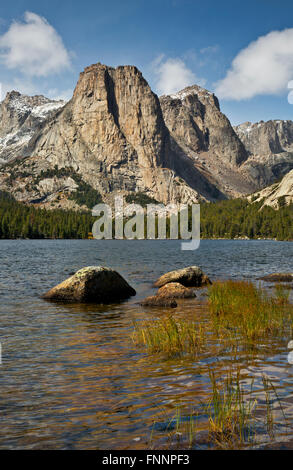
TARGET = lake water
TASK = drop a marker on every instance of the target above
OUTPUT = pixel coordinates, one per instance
(71, 376)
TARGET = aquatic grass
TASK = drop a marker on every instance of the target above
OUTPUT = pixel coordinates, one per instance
(241, 307)
(230, 414)
(269, 411)
(179, 429)
(282, 294)
(270, 392)
(235, 417)
(170, 336)
(234, 414)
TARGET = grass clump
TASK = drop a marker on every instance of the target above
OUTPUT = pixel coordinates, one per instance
(235, 416)
(230, 413)
(282, 294)
(242, 307)
(170, 336)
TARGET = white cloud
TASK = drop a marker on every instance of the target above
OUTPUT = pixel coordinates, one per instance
(33, 47)
(171, 75)
(209, 49)
(26, 87)
(264, 67)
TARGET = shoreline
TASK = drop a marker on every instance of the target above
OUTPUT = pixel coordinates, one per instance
(156, 239)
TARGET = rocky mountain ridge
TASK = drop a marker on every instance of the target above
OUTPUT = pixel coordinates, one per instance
(115, 136)
(270, 148)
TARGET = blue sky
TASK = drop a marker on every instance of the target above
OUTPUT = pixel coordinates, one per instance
(241, 50)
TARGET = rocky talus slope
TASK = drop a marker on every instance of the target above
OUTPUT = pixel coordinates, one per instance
(276, 195)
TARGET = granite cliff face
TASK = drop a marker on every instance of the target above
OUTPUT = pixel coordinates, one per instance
(194, 118)
(112, 132)
(204, 133)
(115, 136)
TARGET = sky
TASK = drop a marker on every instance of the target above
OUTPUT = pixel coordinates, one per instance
(242, 51)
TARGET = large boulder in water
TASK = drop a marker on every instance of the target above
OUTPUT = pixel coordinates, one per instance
(192, 276)
(94, 284)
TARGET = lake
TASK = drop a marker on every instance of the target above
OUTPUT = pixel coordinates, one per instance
(71, 376)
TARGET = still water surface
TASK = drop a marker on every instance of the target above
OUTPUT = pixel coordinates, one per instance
(71, 377)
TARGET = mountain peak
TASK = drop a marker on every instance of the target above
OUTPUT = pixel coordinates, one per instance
(191, 90)
(192, 93)
(25, 103)
(10, 95)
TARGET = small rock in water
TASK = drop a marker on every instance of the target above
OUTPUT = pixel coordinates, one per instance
(175, 290)
(167, 426)
(158, 301)
(94, 284)
(192, 276)
(277, 277)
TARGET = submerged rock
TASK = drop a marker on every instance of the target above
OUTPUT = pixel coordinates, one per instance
(167, 294)
(95, 284)
(158, 301)
(175, 290)
(278, 277)
(192, 276)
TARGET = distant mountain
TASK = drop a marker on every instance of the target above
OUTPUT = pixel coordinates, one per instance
(115, 136)
(270, 147)
(20, 117)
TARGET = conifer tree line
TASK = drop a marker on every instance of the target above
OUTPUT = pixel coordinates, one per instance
(224, 219)
(239, 218)
(18, 220)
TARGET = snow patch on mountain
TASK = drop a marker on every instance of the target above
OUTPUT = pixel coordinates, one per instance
(191, 90)
(20, 117)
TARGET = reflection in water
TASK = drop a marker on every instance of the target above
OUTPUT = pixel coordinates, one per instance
(71, 377)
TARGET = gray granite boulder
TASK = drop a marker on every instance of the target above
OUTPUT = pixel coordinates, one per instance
(191, 276)
(94, 284)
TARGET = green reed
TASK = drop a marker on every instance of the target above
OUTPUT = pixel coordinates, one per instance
(170, 336)
(241, 307)
(231, 414)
